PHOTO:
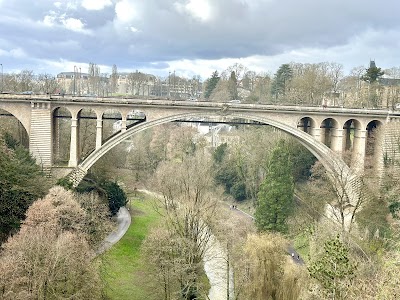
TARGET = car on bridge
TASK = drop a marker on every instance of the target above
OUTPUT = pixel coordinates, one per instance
(90, 95)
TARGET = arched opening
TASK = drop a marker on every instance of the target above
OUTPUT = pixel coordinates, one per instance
(135, 117)
(349, 128)
(87, 132)
(349, 140)
(372, 137)
(112, 123)
(320, 151)
(373, 145)
(11, 125)
(306, 124)
(61, 136)
(332, 162)
(327, 128)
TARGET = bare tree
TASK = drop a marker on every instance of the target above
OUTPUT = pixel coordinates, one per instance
(188, 208)
(94, 78)
(239, 70)
(50, 256)
(341, 206)
(270, 274)
(136, 81)
(335, 71)
(46, 83)
(38, 263)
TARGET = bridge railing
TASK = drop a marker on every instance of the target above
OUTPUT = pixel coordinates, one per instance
(152, 99)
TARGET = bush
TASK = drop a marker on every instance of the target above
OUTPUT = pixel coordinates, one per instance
(116, 196)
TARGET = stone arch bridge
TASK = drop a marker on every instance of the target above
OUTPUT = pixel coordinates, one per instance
(325, 131)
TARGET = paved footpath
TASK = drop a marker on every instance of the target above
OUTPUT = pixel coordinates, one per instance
(124, 221)
(295, 255)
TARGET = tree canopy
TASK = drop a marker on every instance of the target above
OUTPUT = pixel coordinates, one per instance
(281, 79)
(275, 197)
(211, 84)
(21, 183)
(334, 268)
(372, 74)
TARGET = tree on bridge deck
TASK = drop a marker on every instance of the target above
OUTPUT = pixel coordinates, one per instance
(281, 80)
(211, 84)
(372, 76)
(275, 197)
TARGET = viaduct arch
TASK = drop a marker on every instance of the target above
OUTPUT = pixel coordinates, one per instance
(333, 163)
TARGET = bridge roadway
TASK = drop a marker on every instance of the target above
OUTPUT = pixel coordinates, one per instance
(325, 131)
(114, 102)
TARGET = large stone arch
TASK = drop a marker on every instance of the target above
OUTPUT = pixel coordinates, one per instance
(61, 132)
(374, 146)
(109, 119)
(328, 126)
(87, 125)
(307, 124)
(330, 160)
(22, 114)
(13, 125)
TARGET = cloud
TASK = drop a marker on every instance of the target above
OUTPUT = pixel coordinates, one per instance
(53, 19)
(49, 20)
(95, 4)
(198, 9)
(73, 24)
(16, 53)
(202, 35)
(126, 11)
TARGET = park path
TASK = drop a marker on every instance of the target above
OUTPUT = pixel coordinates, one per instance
(290, 249)
(123, 221)
(215, 261)
(214, 264)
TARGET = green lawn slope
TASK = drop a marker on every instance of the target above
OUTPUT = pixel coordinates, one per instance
(124, 267)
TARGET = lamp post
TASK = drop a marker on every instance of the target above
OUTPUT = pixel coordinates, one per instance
(169, 83)
(1, 90)
(75, 72)
(174, 86)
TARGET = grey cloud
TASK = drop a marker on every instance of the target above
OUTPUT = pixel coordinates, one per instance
(239, 29)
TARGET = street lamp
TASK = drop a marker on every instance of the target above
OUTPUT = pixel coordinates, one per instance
(169, 83)
(174, 86)
(75, 72)
(1, 78)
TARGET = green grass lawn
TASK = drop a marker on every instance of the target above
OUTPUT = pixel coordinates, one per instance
(124, 268)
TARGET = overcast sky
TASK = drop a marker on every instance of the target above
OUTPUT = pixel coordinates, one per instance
(196, 37)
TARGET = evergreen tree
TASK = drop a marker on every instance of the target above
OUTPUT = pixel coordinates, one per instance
(116, 196)
(281, 79)
(220, 153)
(21, 183)
(232, 86)
(333, 269)
(372, 74)
(211, 84)
(275, 197)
